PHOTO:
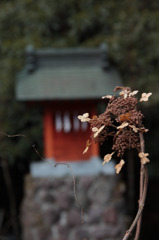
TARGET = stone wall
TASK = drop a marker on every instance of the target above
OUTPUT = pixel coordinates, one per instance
(50, 211)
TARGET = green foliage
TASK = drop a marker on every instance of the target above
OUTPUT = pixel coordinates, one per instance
(130, 28)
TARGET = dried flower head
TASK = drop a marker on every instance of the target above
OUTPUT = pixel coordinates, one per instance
(97, 131)
(107, 96)
(84, 117)
(123, 125)
(87, 146)
(144, 158)
(119, 166)
(135, 129)
(145, 97)
(122, 121)
(133, 93)
(124, 93)
(107, 157)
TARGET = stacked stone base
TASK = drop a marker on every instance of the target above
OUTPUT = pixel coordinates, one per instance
(50, 210)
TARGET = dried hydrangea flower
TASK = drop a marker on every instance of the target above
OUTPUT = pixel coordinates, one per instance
(124, 122)
(143, 157)
(107, 157)
(145, 130)
(123, 125)
(135, 129)
(107, 96)
(97, 131)
(87, 146)
(119, 166)
(145, 97)
(121, 120)
(124, 93)
(133, 93)
(124, 117)
(84, 117)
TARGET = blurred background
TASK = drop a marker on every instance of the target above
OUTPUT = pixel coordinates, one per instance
(131, 31)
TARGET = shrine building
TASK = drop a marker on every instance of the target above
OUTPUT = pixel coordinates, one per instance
(66, 83)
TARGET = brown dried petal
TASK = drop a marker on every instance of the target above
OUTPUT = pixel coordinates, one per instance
(143, 157)
(123, 125)
(107, 96)
(84, 117)
(107, 157)
(87, 146)
(135, 129)
(98, 131)
(133, 93)
(119, 166)
(145, 97)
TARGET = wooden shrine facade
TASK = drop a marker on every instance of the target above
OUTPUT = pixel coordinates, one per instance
(66, 83)
(64, 135)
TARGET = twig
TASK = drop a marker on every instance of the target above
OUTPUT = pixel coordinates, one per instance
(73, 179)
(141, 206)
(143, 191)
(74, 189)
(142, 145)
(12, 136)
(60, 163)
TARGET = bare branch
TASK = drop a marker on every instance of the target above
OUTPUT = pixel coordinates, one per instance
(54, 165)
(143, 191)
(142, 145)
(73, 179)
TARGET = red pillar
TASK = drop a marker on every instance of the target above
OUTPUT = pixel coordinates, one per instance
(95, 149)
(48, 133)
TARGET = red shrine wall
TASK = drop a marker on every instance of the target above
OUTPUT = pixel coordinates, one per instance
(64, 135)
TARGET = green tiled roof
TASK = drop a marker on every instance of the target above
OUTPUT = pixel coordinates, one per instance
(62, 75)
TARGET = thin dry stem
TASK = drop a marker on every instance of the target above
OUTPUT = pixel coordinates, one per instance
(74, 190)
(143, 191)
(54, 165)
(141, 206)
(12, 136)
(73, 179)
(142, 144)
